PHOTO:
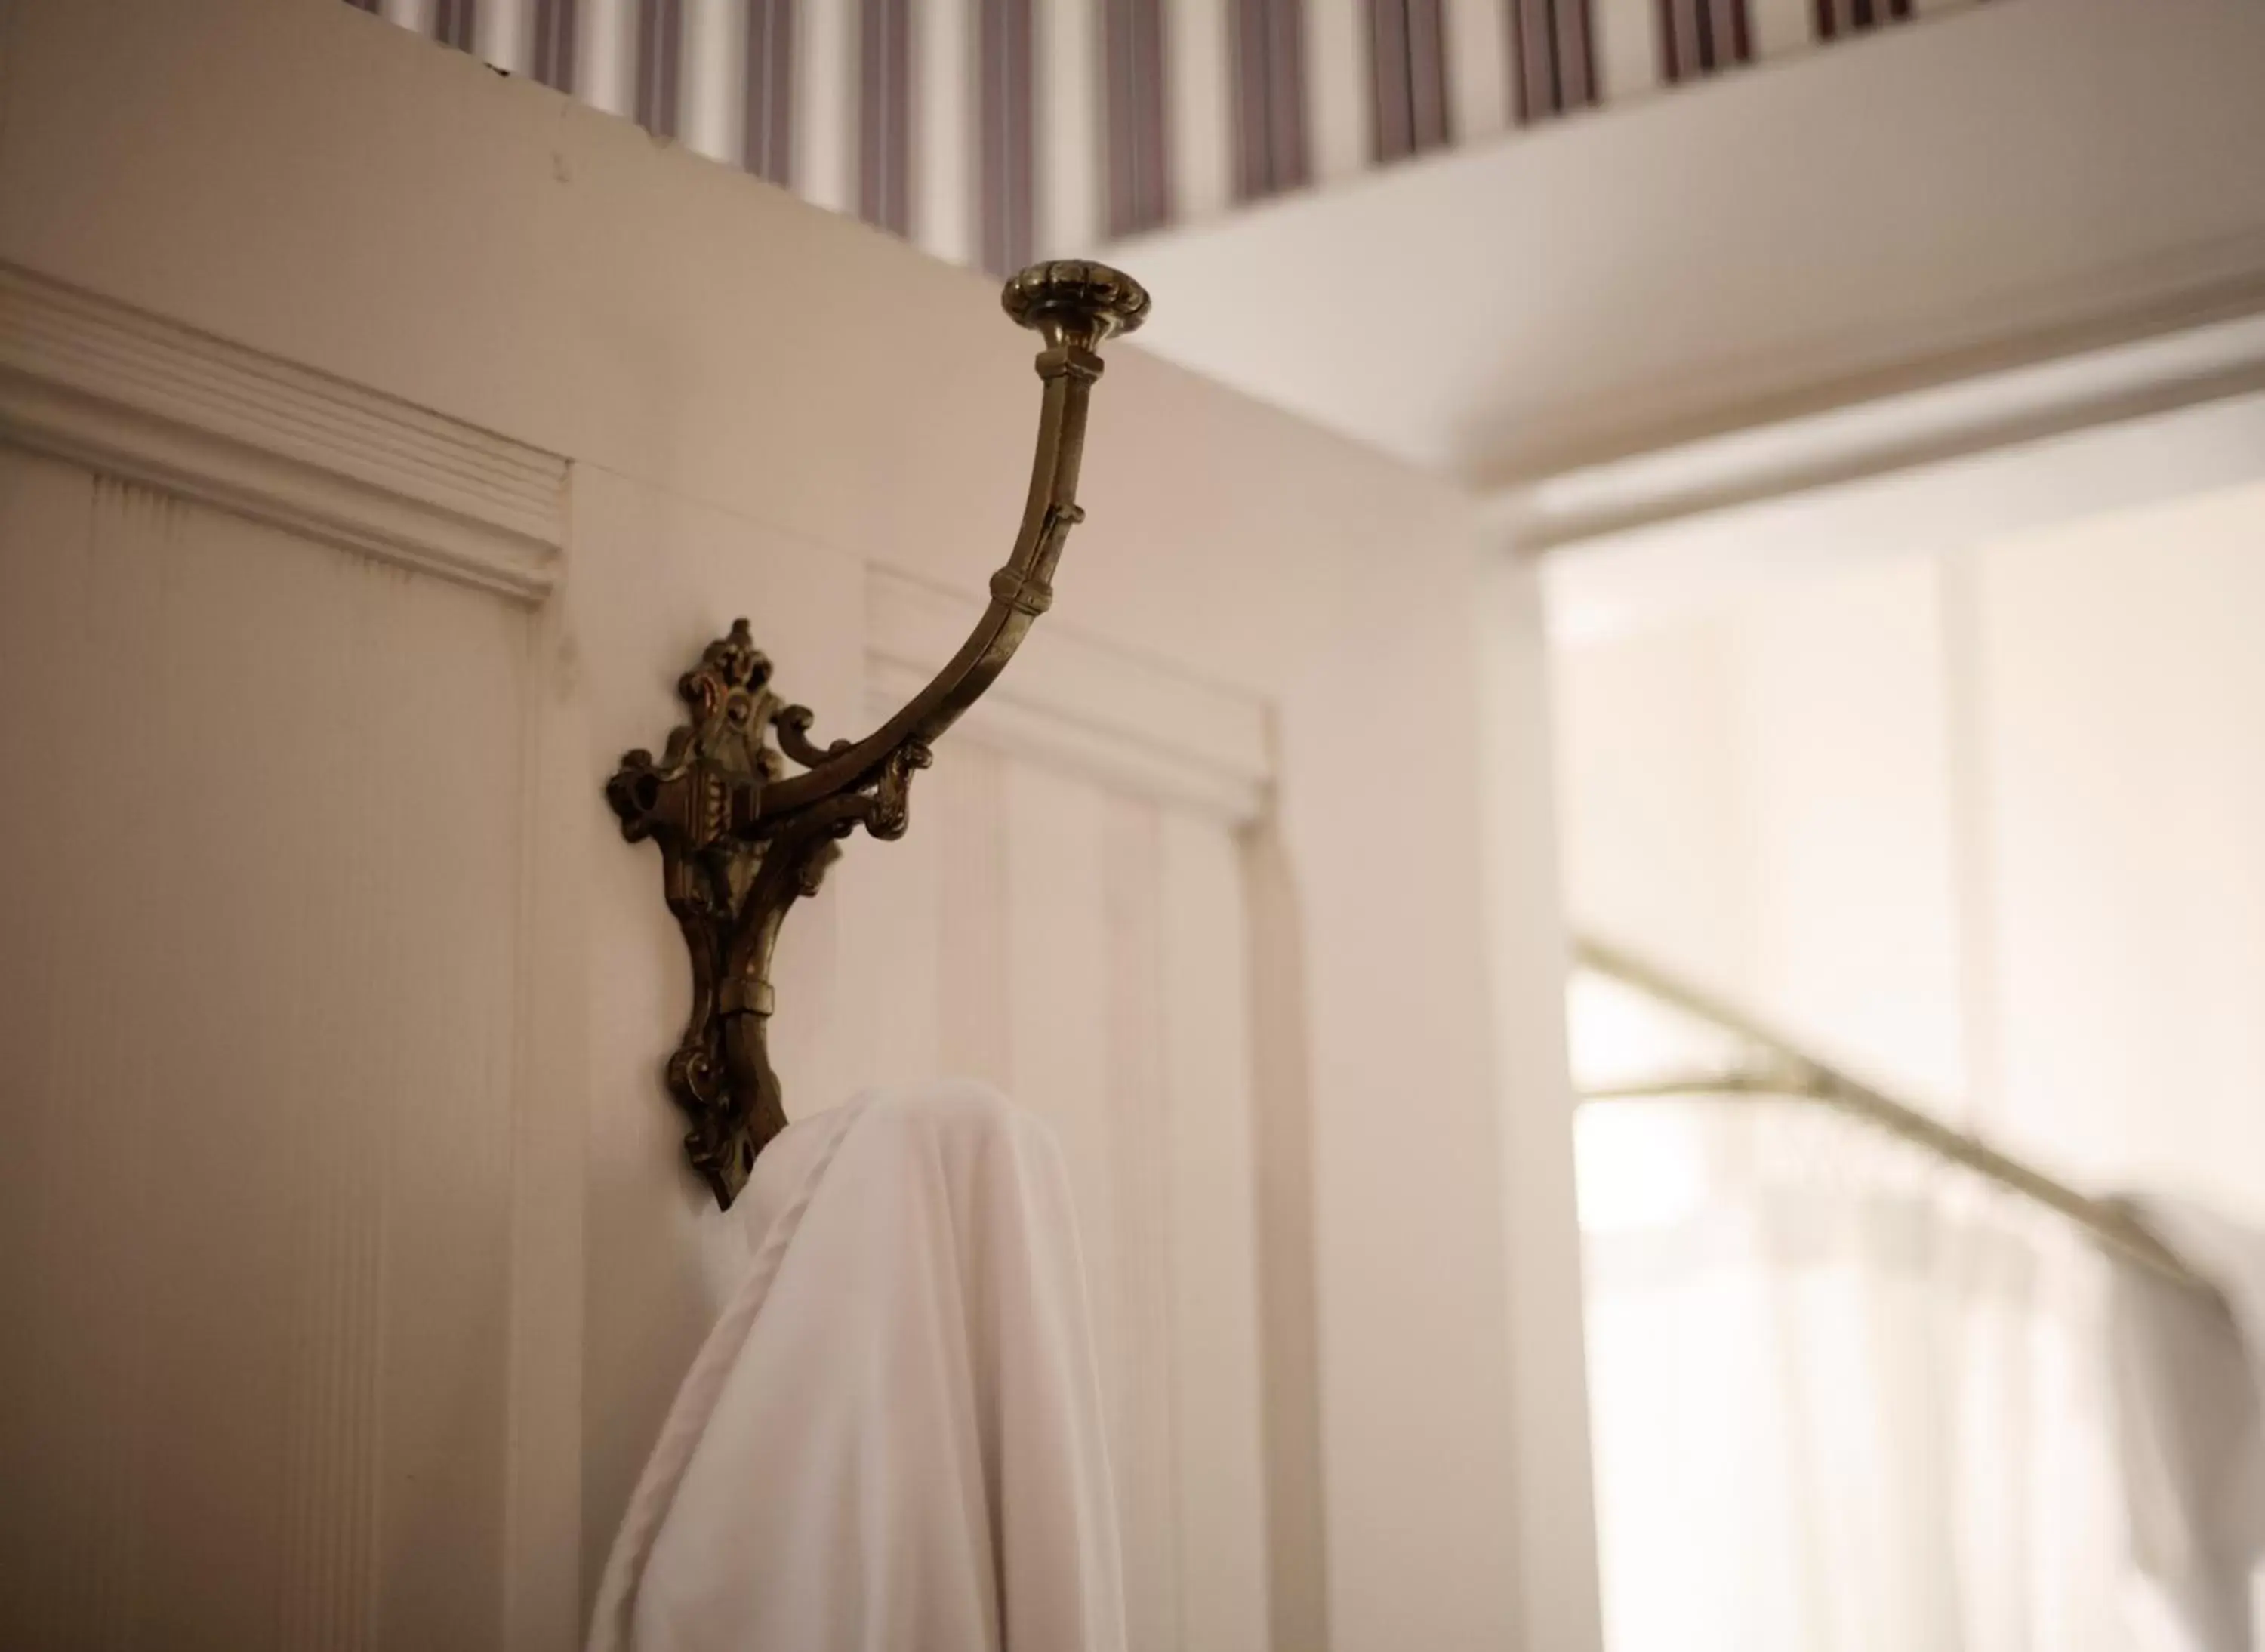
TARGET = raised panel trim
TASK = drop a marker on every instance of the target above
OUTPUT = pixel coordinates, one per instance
(132, 394)
(1073, 703)
(1597, 505)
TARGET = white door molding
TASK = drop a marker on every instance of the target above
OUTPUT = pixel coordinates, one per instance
(1079, 705)
(131, 394)
(1979, 414)
(1685, 526)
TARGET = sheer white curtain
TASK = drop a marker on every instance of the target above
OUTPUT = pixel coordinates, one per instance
(1844, 1400)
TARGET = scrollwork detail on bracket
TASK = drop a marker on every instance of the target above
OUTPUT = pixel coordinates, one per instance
(731, 871)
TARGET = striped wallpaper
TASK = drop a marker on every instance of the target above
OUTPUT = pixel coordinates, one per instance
(992, 132)
(1703, 37)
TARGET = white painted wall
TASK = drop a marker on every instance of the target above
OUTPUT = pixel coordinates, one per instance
(397, 1123)
(1981, 823)
(1759, 797)
(2122, 703)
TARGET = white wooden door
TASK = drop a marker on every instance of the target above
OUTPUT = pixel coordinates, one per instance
(267, 987)
(379, 439)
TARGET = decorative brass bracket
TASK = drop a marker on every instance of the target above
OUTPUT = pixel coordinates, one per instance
(741, 839)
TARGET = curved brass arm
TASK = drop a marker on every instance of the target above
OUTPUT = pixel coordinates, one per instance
(741, 840)
(1076, 306)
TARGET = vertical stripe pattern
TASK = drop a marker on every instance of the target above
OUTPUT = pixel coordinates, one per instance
(1007, 188)
(606, 54)
(1837, 18)
(659, 64)
(941, 187)
(260, 1414)
(1552, 47)
(1199, 121)
(766, 139)
(885, 64)
(554, 43)
(1481, 67)
(826, 105)
(1071, 185)
(1094, 118)
(453, 21)
(1701, 37)
(1138, 1108)
(1407, 77)
(502, 33)
(711, 57)
(1268, 50)
(1339, 101)
(1132, 71)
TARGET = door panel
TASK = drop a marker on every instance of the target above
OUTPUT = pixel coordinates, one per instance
(261, 882)
(1080, 944)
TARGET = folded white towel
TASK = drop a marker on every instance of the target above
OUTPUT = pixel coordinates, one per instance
(892, 1439)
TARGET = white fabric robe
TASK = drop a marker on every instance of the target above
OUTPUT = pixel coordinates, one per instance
(892, 1439)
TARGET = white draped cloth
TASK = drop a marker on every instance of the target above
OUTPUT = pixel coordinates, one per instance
(893, 1437)
(1841, 1402)
(2191, 1416)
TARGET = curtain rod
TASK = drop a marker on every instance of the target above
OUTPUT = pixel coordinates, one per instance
(1792, 1073)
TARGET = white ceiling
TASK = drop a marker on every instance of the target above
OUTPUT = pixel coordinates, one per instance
(1999, 185)
(1631, 579)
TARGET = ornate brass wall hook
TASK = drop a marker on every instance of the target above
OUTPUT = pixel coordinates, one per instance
(741, 838)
